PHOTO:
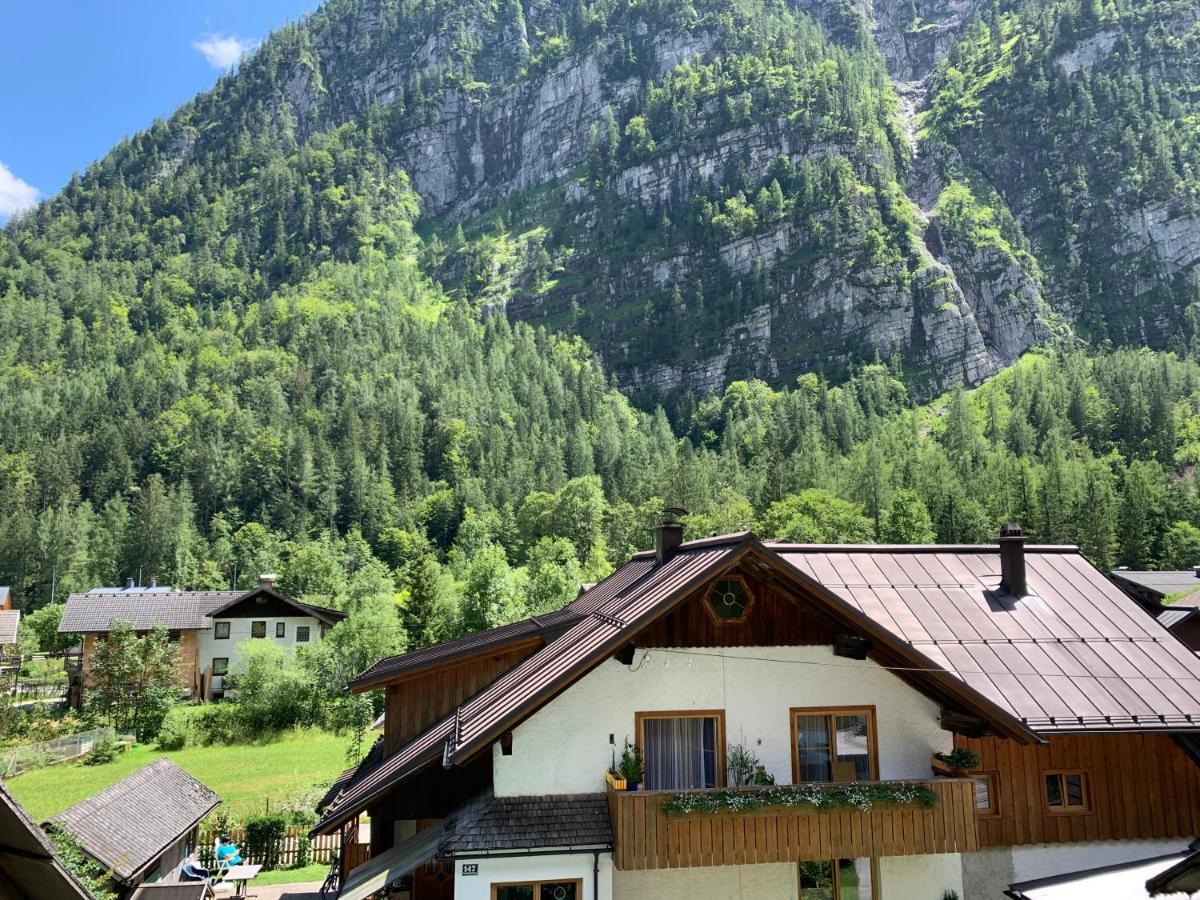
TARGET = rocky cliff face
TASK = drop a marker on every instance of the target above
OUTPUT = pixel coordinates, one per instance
(708, 194)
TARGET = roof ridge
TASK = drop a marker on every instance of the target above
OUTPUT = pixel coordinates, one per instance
(780, 545)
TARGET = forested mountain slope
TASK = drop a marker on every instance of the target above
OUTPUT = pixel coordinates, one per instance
(703, 190)
(266, 332)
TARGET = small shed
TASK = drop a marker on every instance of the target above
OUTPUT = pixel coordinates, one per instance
(143, 827)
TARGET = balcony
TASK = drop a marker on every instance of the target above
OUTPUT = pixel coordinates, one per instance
(647, 836)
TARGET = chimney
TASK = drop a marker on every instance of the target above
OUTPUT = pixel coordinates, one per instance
(668, 534)
(266, 579)
(153, 581)
(1196, 571)
(1012, 559)
(129, 585)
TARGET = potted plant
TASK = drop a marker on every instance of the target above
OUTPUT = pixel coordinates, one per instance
(631, 765)
(956, 763)
(744, 768)
(613, 776)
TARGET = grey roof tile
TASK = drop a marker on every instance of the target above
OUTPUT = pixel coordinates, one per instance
(129, 824)
(506, 823)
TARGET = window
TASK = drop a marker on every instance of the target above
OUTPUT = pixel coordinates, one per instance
(258, 629)
(538, 890)
(834, 745)
(220, 665)
(280, 629)
(682, 751)
(221, 631)
(301, 634)
(729, 599)
(839, 879)
(987, 798)
(1067, 792)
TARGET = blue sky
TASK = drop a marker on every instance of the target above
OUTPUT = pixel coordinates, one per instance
(76, 77)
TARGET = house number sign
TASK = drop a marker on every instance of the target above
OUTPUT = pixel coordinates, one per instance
(470, 868)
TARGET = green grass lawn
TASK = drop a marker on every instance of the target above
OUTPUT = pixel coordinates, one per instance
(245, 775)
(315, 872)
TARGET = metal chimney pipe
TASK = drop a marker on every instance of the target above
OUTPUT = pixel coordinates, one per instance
(1012, 559)
(668, 534)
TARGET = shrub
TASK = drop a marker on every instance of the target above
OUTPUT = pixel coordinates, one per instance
(219, 723)
(175, 733)
(103, 751)
(264, 839)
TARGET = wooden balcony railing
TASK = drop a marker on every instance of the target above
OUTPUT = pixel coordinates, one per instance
(645, 836)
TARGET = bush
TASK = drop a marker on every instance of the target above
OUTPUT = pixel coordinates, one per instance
(175, 733)
(219, 723)
(264, 839)
(103, 751)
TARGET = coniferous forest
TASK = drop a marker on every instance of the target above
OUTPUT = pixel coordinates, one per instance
(245, 341)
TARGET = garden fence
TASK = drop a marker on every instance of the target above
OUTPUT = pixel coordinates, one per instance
(34, 756)
(323, 848)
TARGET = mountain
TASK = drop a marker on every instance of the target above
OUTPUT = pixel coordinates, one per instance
(705, 191)
(401, 291)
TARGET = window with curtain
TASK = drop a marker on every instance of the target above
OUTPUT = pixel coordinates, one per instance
(681, 752)
(834, 745)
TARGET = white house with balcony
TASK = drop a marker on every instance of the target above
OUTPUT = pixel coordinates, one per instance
(788, 704)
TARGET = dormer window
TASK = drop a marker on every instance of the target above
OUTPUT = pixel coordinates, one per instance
(728, 599)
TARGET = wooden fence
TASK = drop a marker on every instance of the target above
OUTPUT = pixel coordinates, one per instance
(323, 848)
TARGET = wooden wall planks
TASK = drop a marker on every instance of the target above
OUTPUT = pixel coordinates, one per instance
(417, 702)
(1141, 786)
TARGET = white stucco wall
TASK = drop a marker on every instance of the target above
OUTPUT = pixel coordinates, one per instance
(989, 872)
(564, 748)
(766, 881)
(920, 877)
(502, 870)
(239, 631)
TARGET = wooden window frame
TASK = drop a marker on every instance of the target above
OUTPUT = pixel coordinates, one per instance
(829, 712)
(217, 636)
(1085, 779)
(254, 623)
(280, 630)
(740, 620)
(993, 779)
(578, 882)
(639, 719)
(307, 634)
(213, 665)
(837, 890)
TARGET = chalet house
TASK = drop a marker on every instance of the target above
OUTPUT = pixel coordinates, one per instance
(30, 869)
(841, 669)
(143, 828)
(210, 626)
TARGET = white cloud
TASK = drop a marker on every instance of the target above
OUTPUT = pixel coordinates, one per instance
(15, 194)
(224, 50)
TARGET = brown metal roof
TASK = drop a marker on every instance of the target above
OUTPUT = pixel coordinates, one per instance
(129, 824)
(1076, 655)
(28, 860)
(351, 775)
(369, 782)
